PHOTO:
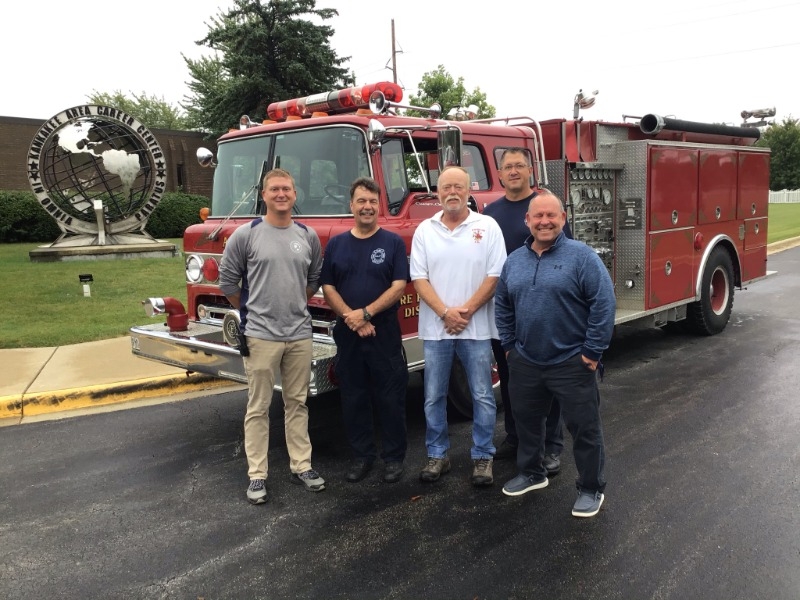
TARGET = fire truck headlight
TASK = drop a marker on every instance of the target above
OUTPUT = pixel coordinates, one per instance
(194, 269)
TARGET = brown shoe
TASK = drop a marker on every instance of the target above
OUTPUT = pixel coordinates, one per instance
(482, 473)
(434, 468)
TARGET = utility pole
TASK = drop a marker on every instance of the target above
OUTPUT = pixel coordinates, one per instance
(394, 57)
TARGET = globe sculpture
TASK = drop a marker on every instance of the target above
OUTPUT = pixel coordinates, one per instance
(100, 173)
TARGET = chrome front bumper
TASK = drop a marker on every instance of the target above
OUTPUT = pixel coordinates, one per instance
(201, 349)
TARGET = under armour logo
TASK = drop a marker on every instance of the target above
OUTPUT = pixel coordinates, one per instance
(557, 267)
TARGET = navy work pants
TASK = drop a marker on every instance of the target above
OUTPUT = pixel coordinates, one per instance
(373, 374)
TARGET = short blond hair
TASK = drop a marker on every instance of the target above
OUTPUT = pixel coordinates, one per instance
(277, 173)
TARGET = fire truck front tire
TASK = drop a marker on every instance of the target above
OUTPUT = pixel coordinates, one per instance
(458, 395)
(711, 313)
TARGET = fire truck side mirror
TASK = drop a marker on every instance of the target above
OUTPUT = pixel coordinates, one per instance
(450, 147)
(205, 157)
(375, 132)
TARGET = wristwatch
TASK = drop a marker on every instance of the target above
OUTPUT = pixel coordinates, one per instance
(367, 316)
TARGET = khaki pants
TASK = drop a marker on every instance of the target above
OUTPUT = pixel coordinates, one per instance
(293, 361)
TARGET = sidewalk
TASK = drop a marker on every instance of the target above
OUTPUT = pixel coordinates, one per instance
(39, 381)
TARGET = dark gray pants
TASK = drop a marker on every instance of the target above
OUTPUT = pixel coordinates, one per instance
(574, 386)
(554, 432)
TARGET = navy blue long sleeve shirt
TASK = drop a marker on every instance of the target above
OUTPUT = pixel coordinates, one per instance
(554, 306)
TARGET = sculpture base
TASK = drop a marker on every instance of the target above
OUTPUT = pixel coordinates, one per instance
(50, 253)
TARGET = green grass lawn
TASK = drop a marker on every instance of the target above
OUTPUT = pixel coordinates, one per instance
(48, 308)
(784, 222)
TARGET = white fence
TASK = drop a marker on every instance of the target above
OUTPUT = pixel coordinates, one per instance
(784, 197)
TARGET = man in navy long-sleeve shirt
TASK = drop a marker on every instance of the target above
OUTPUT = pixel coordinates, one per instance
(555, 307)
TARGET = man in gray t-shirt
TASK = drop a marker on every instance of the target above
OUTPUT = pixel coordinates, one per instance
(269, 270)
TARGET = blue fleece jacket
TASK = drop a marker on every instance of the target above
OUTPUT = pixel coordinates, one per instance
(554, 306)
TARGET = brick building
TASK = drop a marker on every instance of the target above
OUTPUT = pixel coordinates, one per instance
(179, 148)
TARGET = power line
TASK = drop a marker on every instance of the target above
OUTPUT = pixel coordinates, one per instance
(720, 16)
(671, 60)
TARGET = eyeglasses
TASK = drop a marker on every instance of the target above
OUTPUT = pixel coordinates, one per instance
(515, 167)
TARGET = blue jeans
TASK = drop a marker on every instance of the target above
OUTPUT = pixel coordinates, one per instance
(476, 356)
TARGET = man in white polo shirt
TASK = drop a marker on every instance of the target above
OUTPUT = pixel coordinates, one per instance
(456, 259)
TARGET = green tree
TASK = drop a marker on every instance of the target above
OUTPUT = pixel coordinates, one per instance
(264, 51)
(784, 141)
(153, 112)
(439, 86)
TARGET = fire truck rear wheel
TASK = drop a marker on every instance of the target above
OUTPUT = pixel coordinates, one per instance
(711, 313)
(458, 395)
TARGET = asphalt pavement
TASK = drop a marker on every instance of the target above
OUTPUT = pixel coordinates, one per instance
(702, 466)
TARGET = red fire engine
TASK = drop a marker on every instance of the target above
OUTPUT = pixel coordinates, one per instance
(677, 210)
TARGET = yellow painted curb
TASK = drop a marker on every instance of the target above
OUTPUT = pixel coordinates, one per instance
(783, 245)
(27, 405)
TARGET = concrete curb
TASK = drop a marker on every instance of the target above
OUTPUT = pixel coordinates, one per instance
(783, 245)
(17, 407)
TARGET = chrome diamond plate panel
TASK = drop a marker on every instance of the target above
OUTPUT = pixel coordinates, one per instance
(631, 206)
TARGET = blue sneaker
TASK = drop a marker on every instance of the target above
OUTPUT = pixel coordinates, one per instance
(524, 483)
(588, 504)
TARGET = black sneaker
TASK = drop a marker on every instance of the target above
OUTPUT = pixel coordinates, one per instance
(393, 472)
(506, 451)
(310, 479)
(552, 463)
(359, 469)
(257, 491)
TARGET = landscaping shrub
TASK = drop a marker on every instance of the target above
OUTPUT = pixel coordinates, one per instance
(23, 219)
(174, 214)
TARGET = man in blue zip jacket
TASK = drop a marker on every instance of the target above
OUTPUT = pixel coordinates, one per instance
(554, 308)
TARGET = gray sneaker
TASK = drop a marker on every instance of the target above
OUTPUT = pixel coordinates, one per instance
(522, 484)
(434, 468)
(310, 479)
(257, 491)
(552, 463)
(588, 504)
(482, 473)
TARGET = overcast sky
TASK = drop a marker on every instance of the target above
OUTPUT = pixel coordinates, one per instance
(694, 60)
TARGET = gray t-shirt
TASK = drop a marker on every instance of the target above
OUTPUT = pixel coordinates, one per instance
(271, 267)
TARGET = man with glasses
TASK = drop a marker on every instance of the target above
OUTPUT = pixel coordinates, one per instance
(509, 212)
(456, 258)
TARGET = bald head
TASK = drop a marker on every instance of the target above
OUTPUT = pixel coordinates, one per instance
(545, 219)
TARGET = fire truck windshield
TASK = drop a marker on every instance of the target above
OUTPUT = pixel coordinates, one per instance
(323, 161)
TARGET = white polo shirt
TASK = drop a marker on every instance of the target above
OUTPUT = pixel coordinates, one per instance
(456, 263)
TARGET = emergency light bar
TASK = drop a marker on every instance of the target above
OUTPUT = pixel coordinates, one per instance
(345, 100)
